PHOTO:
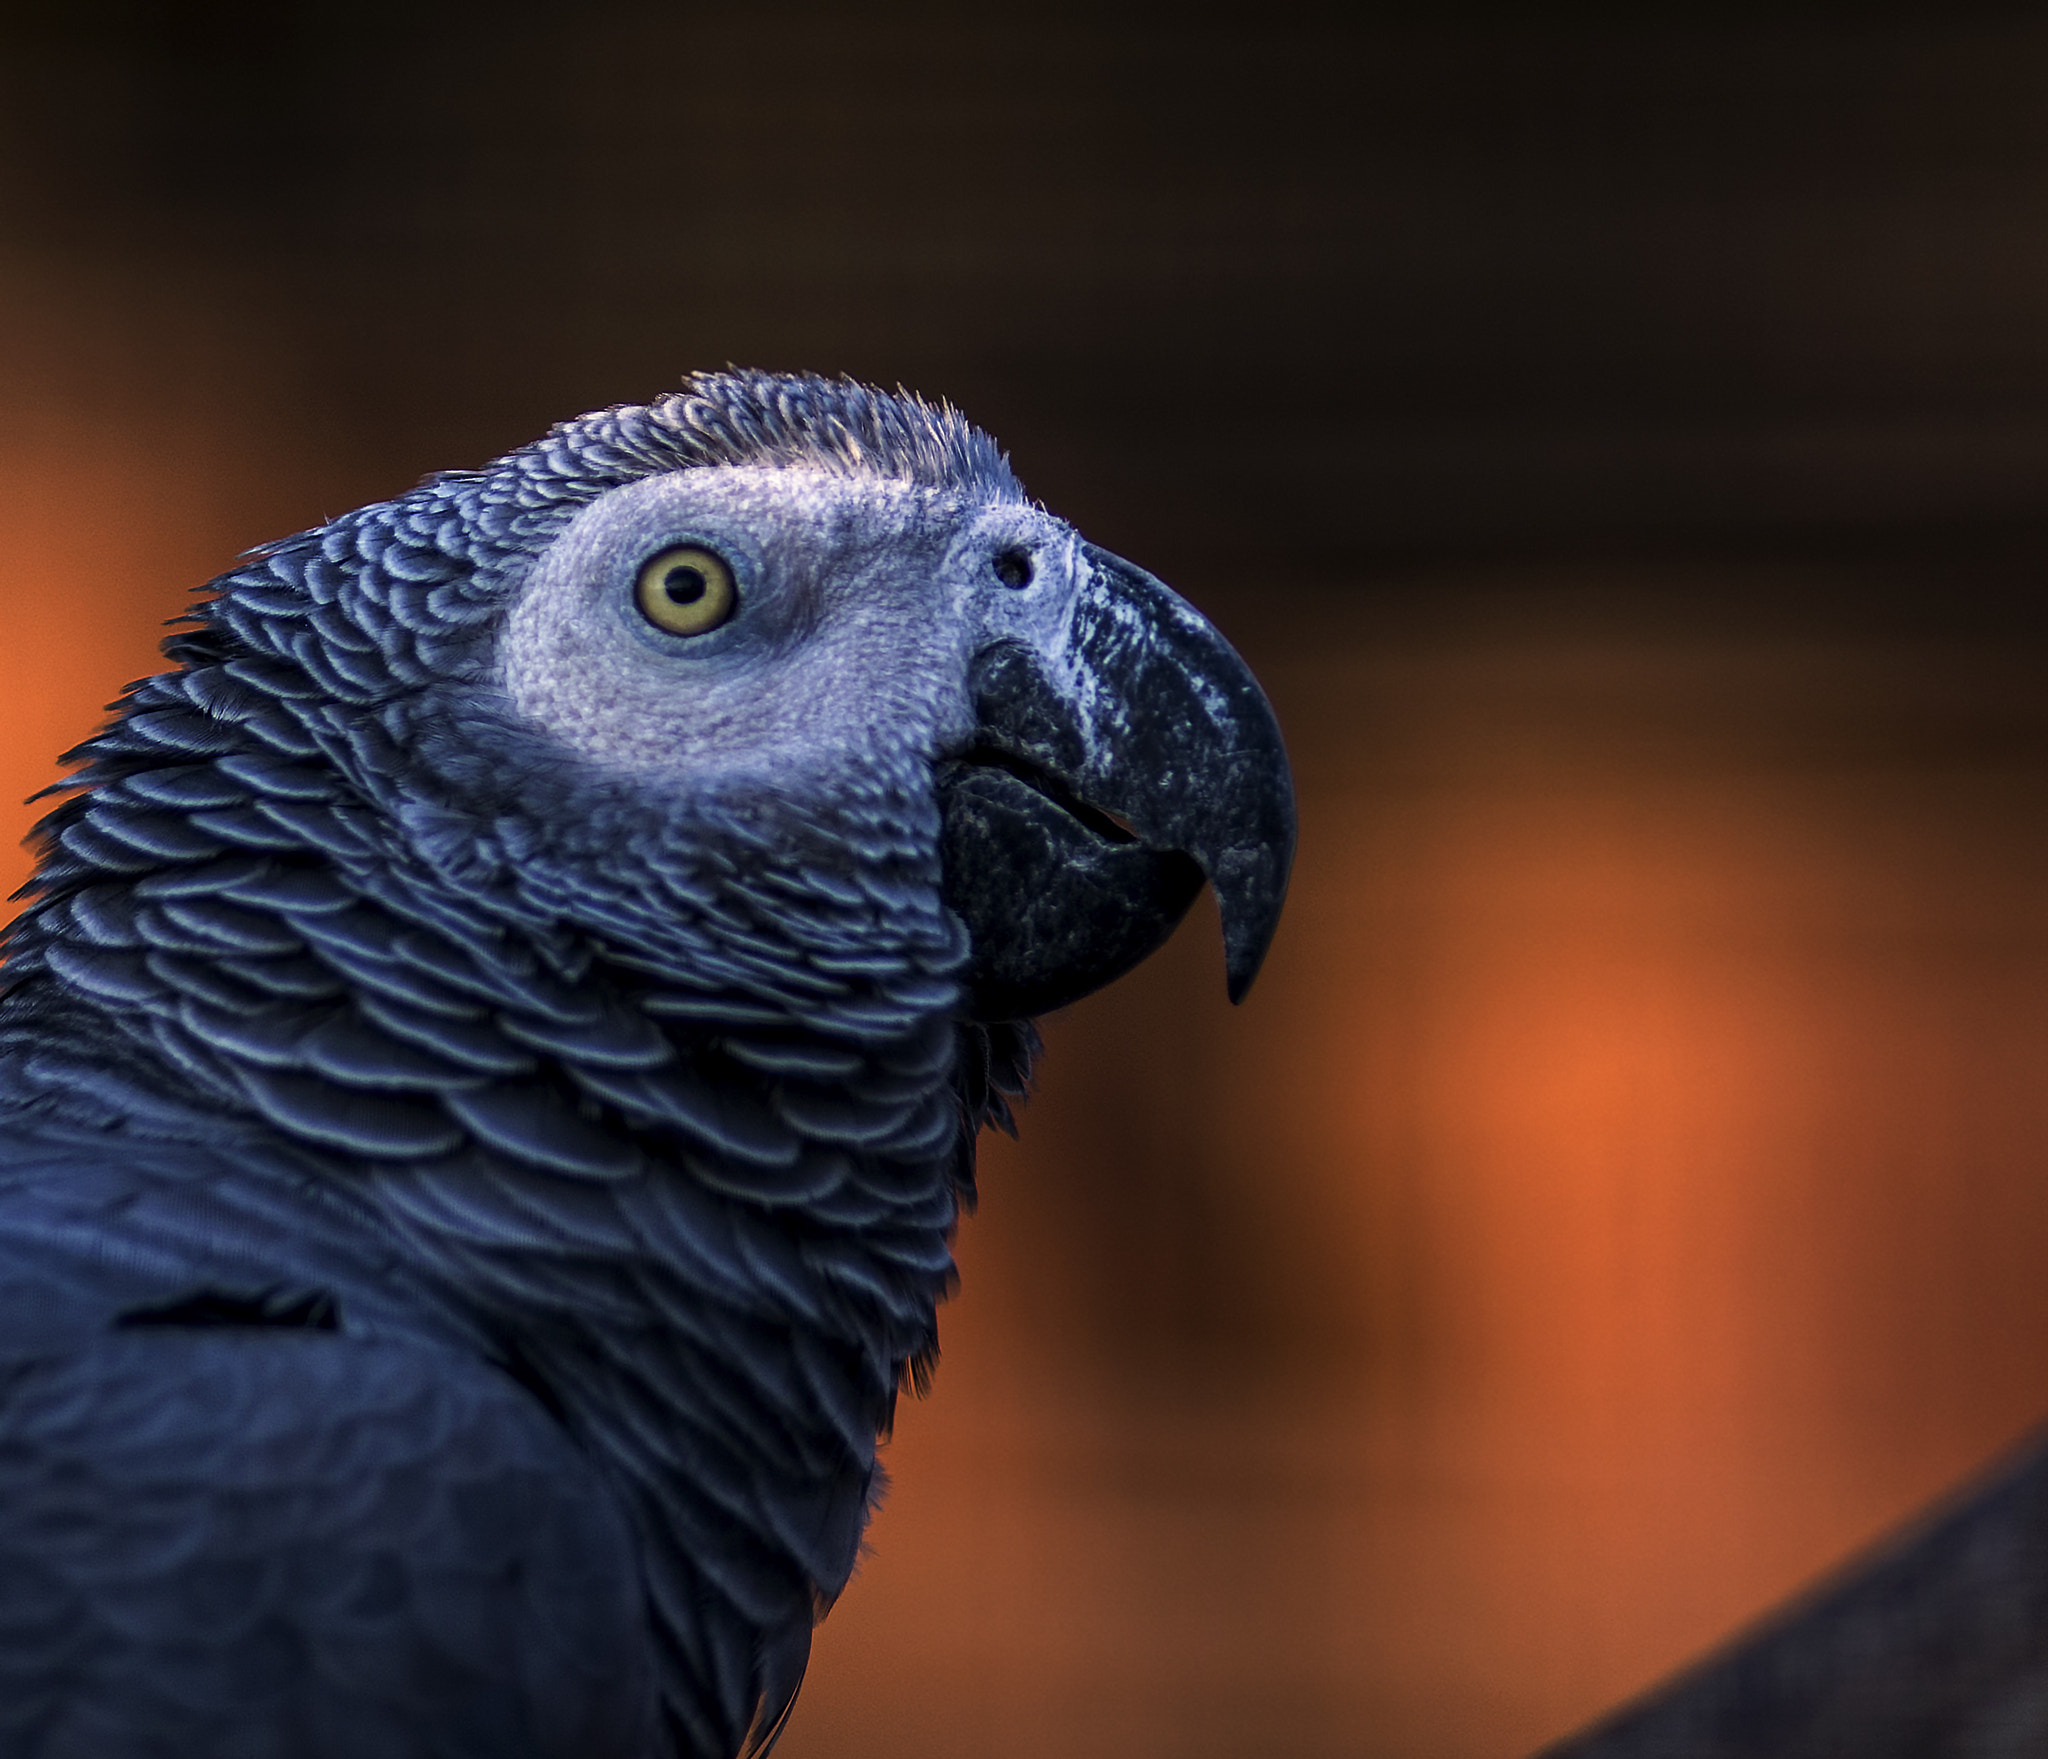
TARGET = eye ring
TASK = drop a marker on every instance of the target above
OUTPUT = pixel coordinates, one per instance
(686, 590)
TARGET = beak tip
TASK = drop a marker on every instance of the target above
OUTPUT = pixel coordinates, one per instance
(1243, 956)
(1249, 896)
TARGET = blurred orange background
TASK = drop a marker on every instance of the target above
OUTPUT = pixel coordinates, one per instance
(1623, 1194)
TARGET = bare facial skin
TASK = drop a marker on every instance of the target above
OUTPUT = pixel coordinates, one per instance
(860, 602)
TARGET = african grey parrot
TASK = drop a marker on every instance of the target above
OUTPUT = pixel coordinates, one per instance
(492, 1058)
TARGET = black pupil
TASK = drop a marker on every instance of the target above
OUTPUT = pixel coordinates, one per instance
(1013, 567)
(684, 584)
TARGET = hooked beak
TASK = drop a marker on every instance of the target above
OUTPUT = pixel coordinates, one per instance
(1105, 782)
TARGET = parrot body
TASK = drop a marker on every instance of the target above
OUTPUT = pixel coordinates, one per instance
(490, 1068)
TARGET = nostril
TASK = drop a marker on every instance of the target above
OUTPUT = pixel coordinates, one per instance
(1013, 568)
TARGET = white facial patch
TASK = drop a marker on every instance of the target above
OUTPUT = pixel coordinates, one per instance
(860, 602)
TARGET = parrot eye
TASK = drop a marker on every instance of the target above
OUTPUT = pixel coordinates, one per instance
(686, 590)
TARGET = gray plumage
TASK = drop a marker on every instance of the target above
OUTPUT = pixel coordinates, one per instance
(487, 1082)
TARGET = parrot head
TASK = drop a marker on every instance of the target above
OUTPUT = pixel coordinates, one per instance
(872, 593)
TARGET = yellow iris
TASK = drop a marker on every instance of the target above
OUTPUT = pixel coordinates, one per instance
(686, 590)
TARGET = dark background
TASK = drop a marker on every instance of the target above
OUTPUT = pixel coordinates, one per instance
(1622, 445)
